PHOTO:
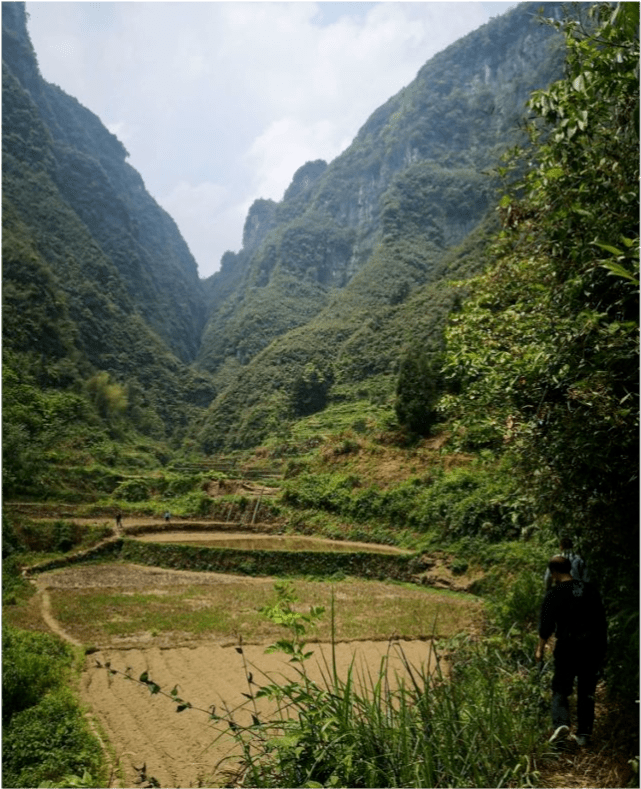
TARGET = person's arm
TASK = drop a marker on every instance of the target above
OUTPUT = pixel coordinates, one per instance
(546, 624)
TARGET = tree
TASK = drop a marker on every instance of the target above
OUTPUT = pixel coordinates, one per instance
(545, 353)
(311, 388)
(108, 396)
(419, 387)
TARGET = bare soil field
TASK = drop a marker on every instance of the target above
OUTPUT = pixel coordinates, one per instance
(264, 542)
(186, 748)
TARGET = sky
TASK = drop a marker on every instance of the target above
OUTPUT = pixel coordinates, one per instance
(219, 102)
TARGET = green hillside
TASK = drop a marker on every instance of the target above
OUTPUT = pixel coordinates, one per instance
(102, 306)
(323, 275)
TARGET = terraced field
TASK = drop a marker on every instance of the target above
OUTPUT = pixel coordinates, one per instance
(184, 629)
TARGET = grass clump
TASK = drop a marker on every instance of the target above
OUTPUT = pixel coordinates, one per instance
(476, 727)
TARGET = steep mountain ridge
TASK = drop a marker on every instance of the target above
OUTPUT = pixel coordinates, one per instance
(110, 254)
(324, 291)
(459, 113)
(325, 270)
(88, 166)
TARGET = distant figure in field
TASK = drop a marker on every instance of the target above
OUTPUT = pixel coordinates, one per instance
(167, 516)
(578, 568)
(119, 522)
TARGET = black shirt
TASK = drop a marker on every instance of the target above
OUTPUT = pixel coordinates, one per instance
(574, 612)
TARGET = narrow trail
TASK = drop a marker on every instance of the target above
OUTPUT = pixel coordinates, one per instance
(47, 615)
(42, 594)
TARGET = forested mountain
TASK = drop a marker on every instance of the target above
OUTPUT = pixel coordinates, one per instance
(332, 268)
(332, 272)
(98, 284)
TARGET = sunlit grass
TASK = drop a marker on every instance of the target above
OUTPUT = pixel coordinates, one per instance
(364, 610)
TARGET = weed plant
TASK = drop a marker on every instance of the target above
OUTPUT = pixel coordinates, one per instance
(476, 727)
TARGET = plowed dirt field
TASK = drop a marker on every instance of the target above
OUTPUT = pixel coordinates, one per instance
(144, 730)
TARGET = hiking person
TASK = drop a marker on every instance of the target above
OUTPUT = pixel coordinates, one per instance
(167, 516)
(573, 611)
(579, 569)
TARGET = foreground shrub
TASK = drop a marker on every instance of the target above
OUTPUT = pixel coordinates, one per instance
(45, 738)
(48, 742)
(32, 664)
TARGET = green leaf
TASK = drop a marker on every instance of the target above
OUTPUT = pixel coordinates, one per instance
(554, 173)
(579, 83)
(609, 248)
(618, 271)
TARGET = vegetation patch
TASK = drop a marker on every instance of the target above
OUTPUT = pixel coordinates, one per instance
(229, 560)
(46, 740)
(147, 609)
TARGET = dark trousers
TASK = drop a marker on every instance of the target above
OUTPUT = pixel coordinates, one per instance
(572, 663)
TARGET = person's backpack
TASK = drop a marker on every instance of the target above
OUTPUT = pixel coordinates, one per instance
(579, 569)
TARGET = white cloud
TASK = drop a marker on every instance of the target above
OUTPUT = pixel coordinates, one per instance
(283, 147)
(219, 103)
(207, 220)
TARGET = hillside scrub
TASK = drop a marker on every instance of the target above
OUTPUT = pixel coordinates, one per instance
(542, 359)
(45, 735)
(480, 499)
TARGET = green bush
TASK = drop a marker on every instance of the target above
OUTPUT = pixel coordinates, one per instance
(10, 539)
(133, 490)
(515, 602)
(477, 500)
(179, 484)
(32, 664)
(47, 742)
(13, 584)
(194, 504)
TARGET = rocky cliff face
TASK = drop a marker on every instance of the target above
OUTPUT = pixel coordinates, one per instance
(349, 268)
(413, 169)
